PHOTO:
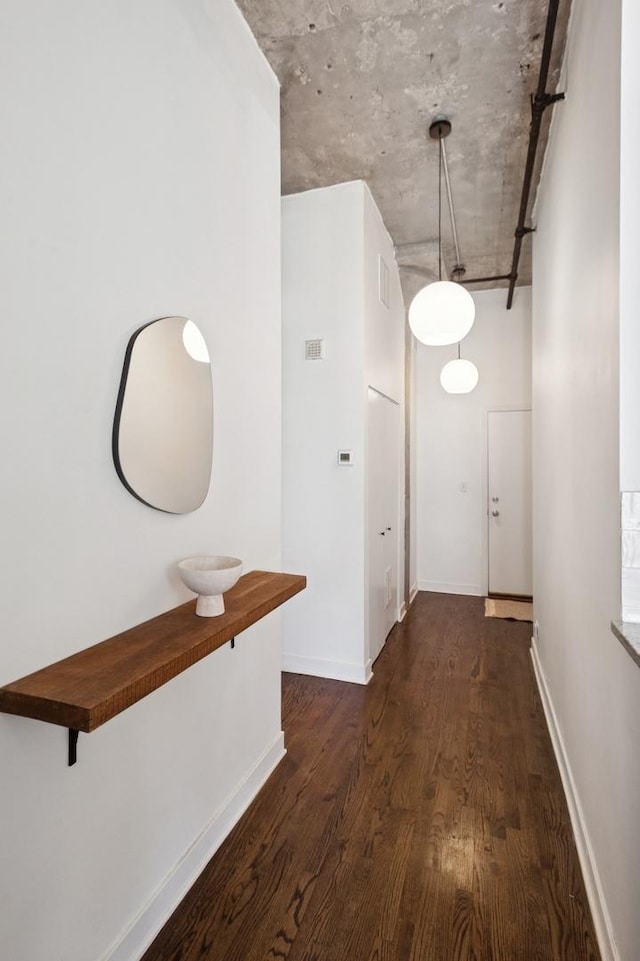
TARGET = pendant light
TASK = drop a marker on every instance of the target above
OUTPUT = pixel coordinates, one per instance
(442, 312)
(459, 376)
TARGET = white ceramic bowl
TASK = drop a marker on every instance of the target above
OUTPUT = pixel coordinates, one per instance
(209, 578)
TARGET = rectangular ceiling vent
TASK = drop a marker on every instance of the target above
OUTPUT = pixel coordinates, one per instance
(314, 350)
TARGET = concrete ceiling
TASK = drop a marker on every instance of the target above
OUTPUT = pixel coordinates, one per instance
(361, 82)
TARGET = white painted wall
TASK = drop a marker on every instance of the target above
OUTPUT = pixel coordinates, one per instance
(384, 360)
(411, 368)
(451, 441)
(591, 685)
(331, 241)
(323, 516)
(384, 331)
(140, 178)
(630, 307)
(629, 219)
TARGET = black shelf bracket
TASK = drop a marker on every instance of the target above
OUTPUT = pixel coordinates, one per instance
(233, 643)
(73, 746)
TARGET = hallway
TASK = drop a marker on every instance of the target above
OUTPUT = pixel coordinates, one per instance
(420, 818)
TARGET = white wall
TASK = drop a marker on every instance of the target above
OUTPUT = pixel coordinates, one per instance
(411, 398)
(629, 218)
(629, 308)
(331, 241)
(384, 361)
(384, 325)
(591, 685)
(323, 412)
(451, 441)
(140, 179)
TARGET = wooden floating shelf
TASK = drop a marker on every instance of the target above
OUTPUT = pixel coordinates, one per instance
(83, 691)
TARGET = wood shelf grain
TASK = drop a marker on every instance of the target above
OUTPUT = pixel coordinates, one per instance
(83, 691)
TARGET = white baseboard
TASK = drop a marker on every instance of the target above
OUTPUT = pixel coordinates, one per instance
(592, 882)
(413, 590)
(151, 919)
(443, 587)
(334, 670)
(403, 611)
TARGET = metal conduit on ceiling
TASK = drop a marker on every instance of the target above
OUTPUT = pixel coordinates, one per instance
(539, 102)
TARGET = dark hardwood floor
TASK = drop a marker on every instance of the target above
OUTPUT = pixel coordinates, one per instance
(418, 819)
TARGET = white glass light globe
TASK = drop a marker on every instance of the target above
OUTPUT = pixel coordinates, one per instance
(459, 376)
(194, 343)
(441, 313)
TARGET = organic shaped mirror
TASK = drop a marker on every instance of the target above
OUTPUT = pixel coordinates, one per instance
(163, 426)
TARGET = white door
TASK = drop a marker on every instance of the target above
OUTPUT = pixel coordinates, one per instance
(509, 493)
(382, 496)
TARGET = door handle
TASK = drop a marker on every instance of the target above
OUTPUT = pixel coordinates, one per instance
(495, 513)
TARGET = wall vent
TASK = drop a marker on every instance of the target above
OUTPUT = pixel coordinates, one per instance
(314, 350)
(383, 281)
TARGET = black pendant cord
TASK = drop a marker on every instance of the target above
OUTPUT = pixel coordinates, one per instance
(440, 205)
(458, 350)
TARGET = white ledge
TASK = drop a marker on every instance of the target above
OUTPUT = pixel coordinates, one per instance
(628, 634)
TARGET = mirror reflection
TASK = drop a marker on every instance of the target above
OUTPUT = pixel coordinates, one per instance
(163, 427)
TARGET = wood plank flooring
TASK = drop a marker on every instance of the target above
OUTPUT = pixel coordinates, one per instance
(418, 819)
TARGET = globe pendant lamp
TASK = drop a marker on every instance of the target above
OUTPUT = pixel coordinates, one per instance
(459, 376)
(443, 312)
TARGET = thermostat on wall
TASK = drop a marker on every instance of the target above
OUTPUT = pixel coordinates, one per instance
(345, 458)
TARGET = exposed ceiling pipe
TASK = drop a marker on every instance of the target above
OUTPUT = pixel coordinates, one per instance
(539, 103)
(485, 280)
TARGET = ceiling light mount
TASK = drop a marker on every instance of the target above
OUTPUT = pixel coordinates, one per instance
(440, 128)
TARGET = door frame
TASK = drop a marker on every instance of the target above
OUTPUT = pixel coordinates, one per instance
(496, 409)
